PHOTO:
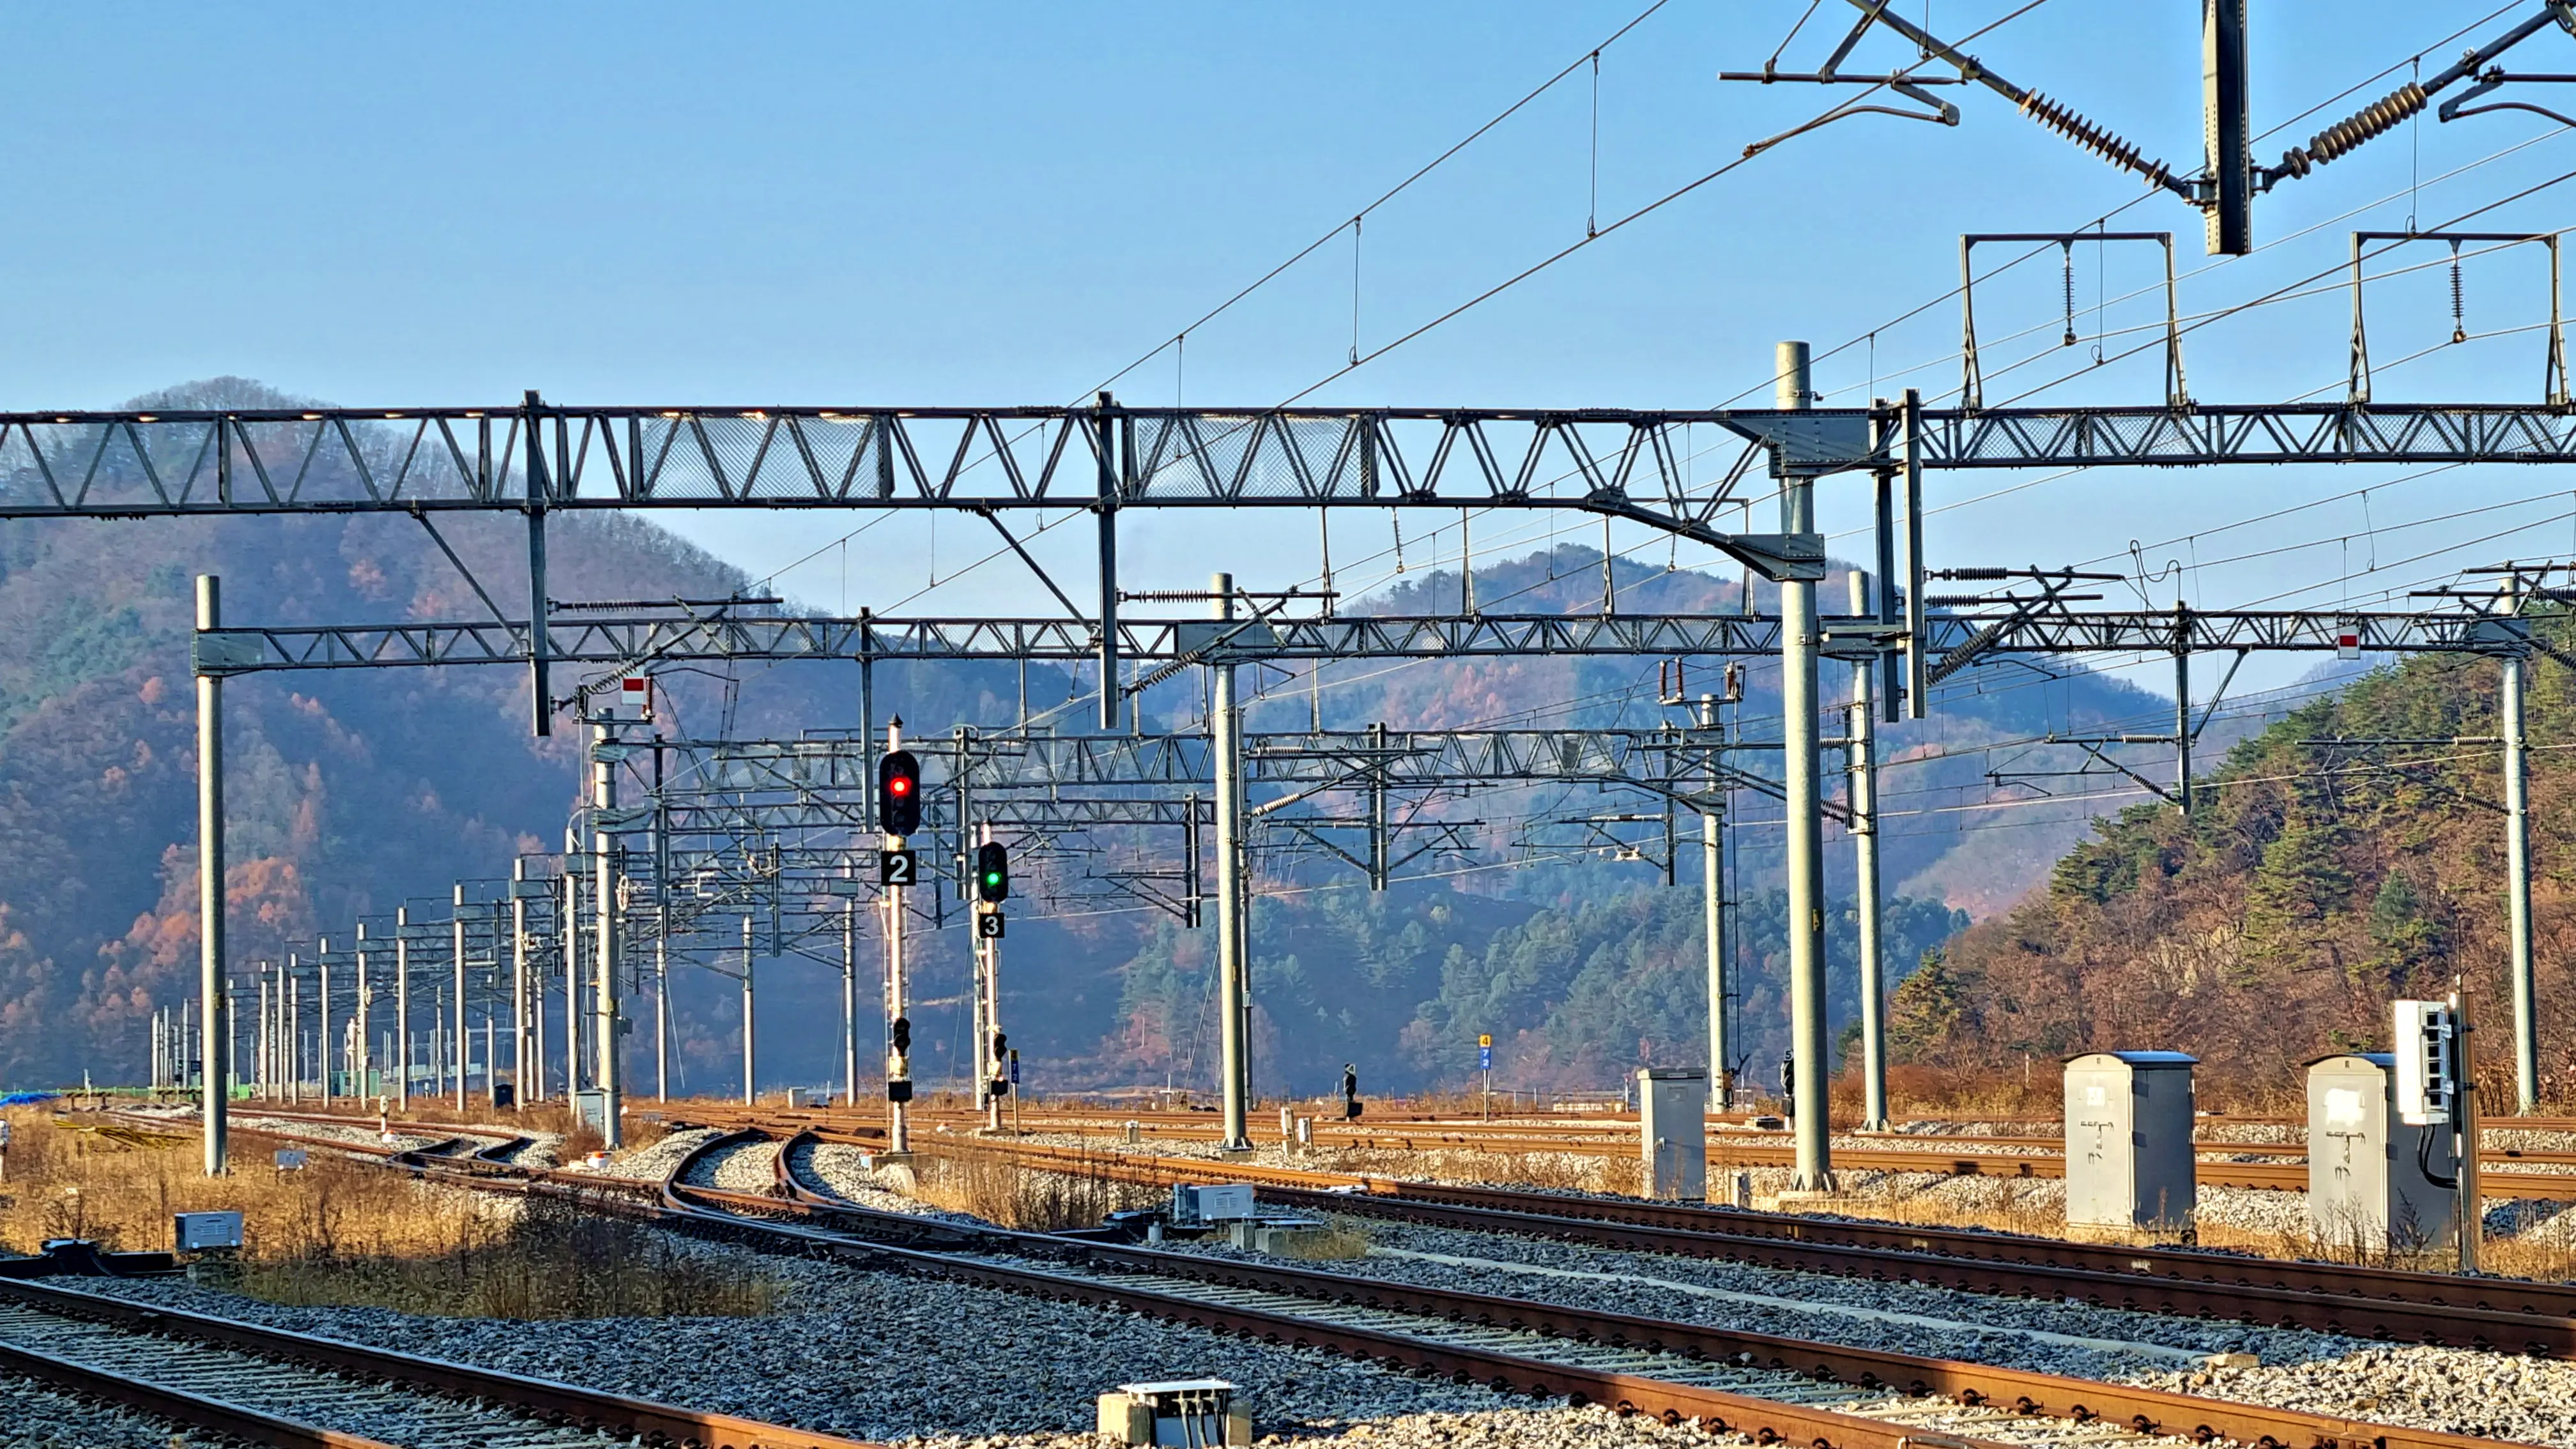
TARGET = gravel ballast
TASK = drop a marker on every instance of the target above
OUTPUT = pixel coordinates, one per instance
(884, 1356)
(2455, 1390)
(33, 1416)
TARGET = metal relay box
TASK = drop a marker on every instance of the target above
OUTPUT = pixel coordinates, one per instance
(1672, 1131)
(2370, 1172)
(2129, 1160)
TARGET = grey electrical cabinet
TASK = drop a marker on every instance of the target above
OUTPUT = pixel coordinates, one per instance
(2371, 1176)
(2128, 1141)
(1672, 1131)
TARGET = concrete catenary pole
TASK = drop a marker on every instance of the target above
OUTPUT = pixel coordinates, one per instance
(402, 1009)
(2517, 854)
(1712, 862)
(1862, 762)
(662, 1011)
(1800, 751)
(603, 799)
(210, 884)
(1225, 720)
(750, 1092)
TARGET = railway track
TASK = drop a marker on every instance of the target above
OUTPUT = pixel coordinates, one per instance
(300, 1391)
(1819, 1396)
(2510, 1172)
(2382, 1304)
(2509, 1315)
(1767, 1386)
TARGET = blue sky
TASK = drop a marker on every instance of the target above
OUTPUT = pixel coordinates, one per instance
(654, 203)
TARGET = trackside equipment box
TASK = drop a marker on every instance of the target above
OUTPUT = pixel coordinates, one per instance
(1672, 1131)
(2128, 1141)
(2371, 1174)
(199, 1232)
(1189, 1413)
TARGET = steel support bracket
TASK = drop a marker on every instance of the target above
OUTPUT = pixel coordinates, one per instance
(218, 652)
(1780, 557)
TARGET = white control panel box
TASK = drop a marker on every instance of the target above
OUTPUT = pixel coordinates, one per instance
(2426, 1042)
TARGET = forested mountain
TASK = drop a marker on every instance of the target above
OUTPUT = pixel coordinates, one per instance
(2316, 882)
(351, 792)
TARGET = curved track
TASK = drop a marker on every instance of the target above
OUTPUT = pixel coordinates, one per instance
(1759, 1384)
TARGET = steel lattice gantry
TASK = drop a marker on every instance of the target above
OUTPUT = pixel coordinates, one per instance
(1615, 460)
(723, 634)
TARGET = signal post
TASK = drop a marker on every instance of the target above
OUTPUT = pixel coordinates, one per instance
(992, 1047)
(899, 815)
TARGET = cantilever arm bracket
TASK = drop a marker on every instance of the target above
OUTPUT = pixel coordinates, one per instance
(468, 574)
(1778, 557)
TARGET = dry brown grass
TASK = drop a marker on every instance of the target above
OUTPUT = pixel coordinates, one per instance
(1546, 1171)
(1008, 1195)
(1333, 1245)
(342, 1231)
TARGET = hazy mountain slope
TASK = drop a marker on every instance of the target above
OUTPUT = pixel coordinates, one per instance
(2310, 890)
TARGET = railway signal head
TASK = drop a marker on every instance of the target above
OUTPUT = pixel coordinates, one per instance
(903, 1034)
(899, 793)
(992, 871)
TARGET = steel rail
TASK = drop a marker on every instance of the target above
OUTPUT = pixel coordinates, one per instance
(544, 1399)
(2414, 1320)
(194, 1411)
(2507, 1295)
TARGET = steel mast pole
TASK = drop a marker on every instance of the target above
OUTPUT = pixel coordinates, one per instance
(1862, 762)
(402, 1008)
(519, 1094)
(2517, 849)
(322, 1016)
(850, 1004)
(362, 1020)
(464, 1035)
(1712, 861)
(1800, 751)
(265, 1041)
(568, 926)
(1225, 721)
(604, 756)
(210, 884)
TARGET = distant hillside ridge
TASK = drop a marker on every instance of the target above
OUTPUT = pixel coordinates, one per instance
(2315, 883)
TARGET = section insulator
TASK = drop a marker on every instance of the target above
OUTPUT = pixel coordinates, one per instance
(2092, 138)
